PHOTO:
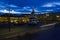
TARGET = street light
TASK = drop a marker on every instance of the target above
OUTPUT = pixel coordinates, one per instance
(9, 19)
(57, 16)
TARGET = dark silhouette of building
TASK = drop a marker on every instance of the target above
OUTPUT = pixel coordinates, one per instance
(32, 18)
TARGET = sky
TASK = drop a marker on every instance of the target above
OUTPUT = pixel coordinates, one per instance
(24, 6)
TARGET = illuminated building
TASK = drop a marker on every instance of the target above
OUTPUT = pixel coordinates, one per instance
(29, 17)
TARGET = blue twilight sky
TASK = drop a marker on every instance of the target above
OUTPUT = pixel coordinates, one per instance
(20, 6)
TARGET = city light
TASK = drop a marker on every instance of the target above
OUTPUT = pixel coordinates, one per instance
(23, 20)
(57, 16)
(12, 21)
(47, 14)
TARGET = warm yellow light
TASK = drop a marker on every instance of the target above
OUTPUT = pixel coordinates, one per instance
(0, 17)
(23, 20)
(47, 14)
(57, 16)
(16, 21)
(12, 21)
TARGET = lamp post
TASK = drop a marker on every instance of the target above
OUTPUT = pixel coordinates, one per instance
(9, 21)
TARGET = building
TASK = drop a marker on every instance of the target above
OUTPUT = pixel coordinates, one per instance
(33, 18)
(30, 18)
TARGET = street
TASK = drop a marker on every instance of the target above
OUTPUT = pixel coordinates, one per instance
(21, 30)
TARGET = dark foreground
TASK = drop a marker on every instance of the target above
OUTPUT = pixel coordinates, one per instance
(50, 34)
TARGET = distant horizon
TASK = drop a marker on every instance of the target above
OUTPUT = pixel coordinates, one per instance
(30, 13)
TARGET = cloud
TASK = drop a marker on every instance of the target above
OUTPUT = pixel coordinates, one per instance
(37, 10)
(26, 7)
(34, 10)
(48, 5)
(53, 4)
(58, 8)
(6, 11)
(30, 9)
(11, 5)
(2, 5)
(57, 3)
(6, 5)
(48, 10)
